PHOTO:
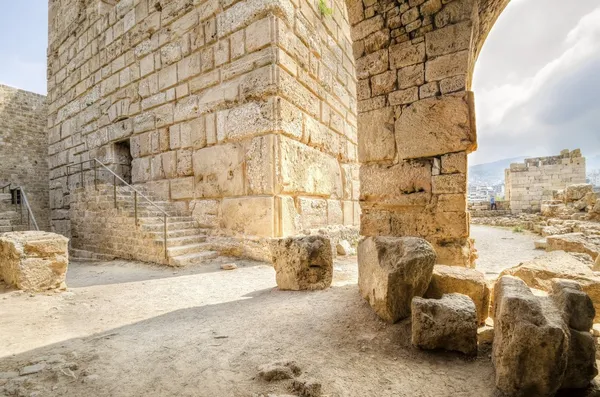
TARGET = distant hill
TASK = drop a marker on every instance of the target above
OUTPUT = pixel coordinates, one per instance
(491, 173)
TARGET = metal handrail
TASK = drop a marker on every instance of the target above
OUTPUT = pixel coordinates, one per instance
(4, 187)
(97, 162)
(30, 216)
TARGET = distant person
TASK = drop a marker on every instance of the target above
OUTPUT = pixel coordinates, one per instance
(493, 203)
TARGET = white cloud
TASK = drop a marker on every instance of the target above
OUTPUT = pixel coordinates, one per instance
(521, 106)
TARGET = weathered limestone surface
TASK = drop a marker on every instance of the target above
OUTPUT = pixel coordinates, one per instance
(530, 183)
(243, 111)
(449, 323)
(302, 263)
(469, 282)
(393, 270)
(530, 349)
(575, 242)
(539, 272)
(34, 261)
(578, 313)
(24, 148)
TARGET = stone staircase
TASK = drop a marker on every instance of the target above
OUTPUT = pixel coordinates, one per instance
(10, 217)
(186, 242)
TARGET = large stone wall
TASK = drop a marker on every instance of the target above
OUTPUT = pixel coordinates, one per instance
(244, 110)
(24, 147)
(416, 121)
(529, 183)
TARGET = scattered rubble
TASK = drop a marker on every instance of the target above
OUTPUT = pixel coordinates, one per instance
(228, 266)
(449, 323)
(279, 370)
(393, 270)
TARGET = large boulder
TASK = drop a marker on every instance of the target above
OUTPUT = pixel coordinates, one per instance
(575, 242)
(577, 192)
(539, 272)
(578, 313)
(530, 349)
(302, 263)
(393, 270)
(449, 323)
(34, 260)
(469, 282)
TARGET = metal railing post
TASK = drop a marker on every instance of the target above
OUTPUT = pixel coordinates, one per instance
(135, 207)
(95, 175)
(19, 198)
(165, 235)
(115, 189)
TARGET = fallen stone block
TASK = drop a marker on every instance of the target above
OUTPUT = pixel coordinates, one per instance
(449, 323)
(485, 335)
(302, 263)
(575, 242)
(577, 307)
(578, 313)
(577, 192)
(470, 282)
(539, 272)
(530, 348)
(34, 260)
(393, 270)
(541, 244)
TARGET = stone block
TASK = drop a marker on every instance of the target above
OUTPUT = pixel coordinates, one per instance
(436, 126)
(407, 183)
(576, 306)
(206, 212)
(376, 141)
(469, 282)
(530, 350)
(581, 362)
(254, 216)
(302, 263)
(393, 270)
(449, 323)
(307, 170)
(34, 260)
(219, 171)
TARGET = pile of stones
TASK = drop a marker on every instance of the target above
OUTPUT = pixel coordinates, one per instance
(541, 343)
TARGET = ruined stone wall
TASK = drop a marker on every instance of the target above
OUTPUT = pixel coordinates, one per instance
(529, 183)
(244, 110)
(24, 147)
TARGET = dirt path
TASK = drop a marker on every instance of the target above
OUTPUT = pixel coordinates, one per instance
(501, 248)
(129, 329)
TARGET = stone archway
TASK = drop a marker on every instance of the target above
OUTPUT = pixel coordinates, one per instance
(416, 116)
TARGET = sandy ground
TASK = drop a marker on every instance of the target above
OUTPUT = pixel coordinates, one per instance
(131, 329)
(501, 248)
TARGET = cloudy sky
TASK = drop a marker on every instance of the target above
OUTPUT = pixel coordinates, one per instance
(536, 83)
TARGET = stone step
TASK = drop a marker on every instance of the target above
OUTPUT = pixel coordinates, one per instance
(186, 249)
(11, 215)
(173, 226)
(181, 241)
(179, 233)
(193, 258)
(170, 220)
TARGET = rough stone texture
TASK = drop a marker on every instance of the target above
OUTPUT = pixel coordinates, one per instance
(578, 312)
(393, 270)
(24, 148)
(302, 263)
(469, 282)
(531, 182)
(575, 242)
(244, 103)
(577, 191)
(449, 323)
(34, 261)
(530, 349)
(539, 272)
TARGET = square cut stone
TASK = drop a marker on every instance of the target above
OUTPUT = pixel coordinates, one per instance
(302, 263)
(34, 260)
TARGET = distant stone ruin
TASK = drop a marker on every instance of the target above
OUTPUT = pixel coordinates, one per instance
(530, 183)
